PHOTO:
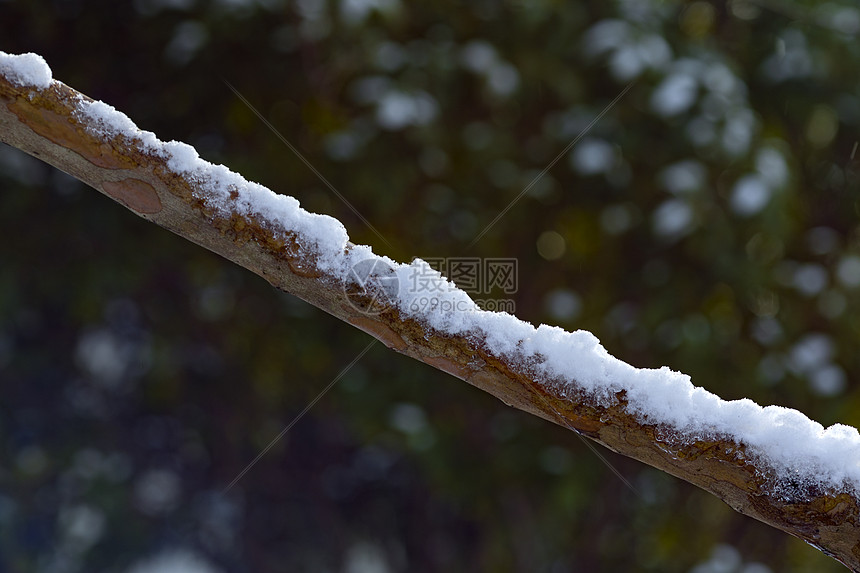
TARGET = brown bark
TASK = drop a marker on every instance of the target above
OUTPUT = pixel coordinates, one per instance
(43, 124)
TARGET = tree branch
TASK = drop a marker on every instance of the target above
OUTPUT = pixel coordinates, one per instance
(48, 124)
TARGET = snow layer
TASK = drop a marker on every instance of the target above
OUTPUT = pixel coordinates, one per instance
(225, 191)
(25, 70)
(800, 451)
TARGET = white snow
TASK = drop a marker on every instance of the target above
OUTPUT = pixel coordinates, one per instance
(605, 36)
(673, 218)
(174, 561)
(354, 12)
(828, 381)
(482, 58)
(750, 195)
(397, 110)
(630, 52)
(799, 450)
(686, 176)
(675, 95)
(848, 271)
(618, 218)
(791, 58)
(408, 418)
(478, 56)
(810, 279)
(157, 491)
(811, 352)
(738, 132)
(563, 304)
(772, 166)
(25, 70)
(503, 78)
(225, 191)
(592, 156)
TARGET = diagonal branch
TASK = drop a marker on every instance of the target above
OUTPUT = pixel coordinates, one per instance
(749, 457)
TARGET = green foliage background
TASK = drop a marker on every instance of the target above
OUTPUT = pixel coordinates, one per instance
(140, 374)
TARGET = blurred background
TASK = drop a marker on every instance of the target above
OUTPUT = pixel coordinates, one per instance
(708, 221)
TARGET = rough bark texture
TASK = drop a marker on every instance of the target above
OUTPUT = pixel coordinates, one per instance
(43, 124)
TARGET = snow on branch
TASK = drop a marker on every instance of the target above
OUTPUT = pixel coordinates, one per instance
(771, 463)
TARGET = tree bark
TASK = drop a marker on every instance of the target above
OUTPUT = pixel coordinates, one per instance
(45, 124)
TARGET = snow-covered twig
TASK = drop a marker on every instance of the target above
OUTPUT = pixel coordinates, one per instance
(771, 463)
